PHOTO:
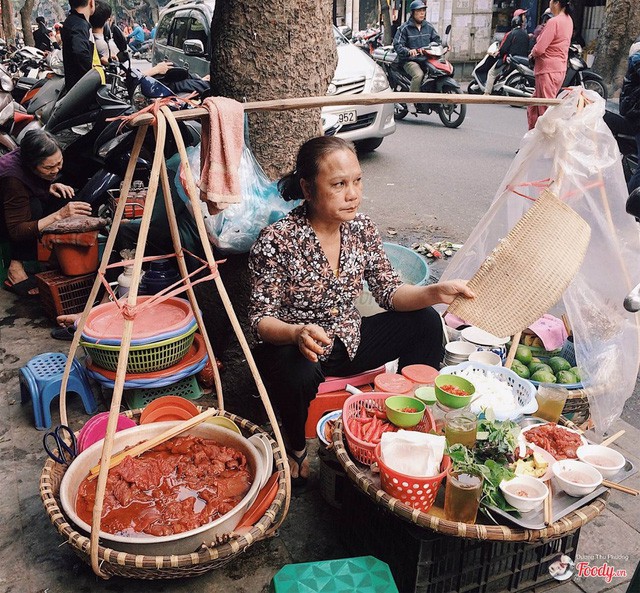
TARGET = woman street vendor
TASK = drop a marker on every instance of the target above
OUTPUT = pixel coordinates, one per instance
(307, 271)
(31, 201)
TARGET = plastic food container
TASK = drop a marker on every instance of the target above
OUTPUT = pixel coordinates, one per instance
(420, 374)
(392, 383)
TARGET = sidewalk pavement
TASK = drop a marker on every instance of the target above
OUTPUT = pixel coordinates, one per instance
(33, 557)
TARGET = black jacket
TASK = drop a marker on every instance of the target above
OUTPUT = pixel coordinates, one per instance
(630, 94)
(41, 38)
(408, 36)
(77, 48)
(515, 43)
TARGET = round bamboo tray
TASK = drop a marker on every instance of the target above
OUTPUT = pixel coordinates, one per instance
(563, 526)
(116, 563)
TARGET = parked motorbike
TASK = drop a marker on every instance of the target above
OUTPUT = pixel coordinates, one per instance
(368, 40)
(579, 74)
(632, 300)
(438, 78)
(626, 140)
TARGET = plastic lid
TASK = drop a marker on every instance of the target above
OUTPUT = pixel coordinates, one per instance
(427, 394)
(392, 383)
(422, 374)
(106, 321)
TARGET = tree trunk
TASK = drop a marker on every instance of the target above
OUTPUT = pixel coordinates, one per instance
(155, 12)
(26, 13)
(619, 30)
(274, 50)
(387, 38)
(8, 28)
(59, 12)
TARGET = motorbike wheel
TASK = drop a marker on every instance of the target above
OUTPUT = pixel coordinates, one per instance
(452, 115)
(400, 111)
(474, 88)
(520, 83)
(593, 84)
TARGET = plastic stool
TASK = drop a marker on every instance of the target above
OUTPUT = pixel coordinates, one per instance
(331, 396)
(41, 379)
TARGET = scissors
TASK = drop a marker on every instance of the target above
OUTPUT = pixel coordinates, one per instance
(65, 453)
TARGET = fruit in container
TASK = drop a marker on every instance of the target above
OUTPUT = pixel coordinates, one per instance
(543, 376)
(520, 369)
(523, 354)
(557, 364)
(566, 377)
(577, 373)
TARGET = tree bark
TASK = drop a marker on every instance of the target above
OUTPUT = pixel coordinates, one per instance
(387, 38)
(26, 13)
(274, 50)
(619, 30)
(8, 28)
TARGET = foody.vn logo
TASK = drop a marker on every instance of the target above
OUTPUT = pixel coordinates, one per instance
(604, 571)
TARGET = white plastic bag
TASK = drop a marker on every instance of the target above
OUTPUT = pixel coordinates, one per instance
(574, 148)
(235, 229)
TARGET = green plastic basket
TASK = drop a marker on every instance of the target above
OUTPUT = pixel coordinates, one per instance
(143, 359)
(187, 388)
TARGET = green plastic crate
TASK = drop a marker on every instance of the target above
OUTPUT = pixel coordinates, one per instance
(187, 388)
(364, 574)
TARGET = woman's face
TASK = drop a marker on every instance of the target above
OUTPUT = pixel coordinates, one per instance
(338, 188)
(50, 166)
(554, 5)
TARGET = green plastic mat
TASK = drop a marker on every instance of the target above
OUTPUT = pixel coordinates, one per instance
(364, 574)
(187, 388)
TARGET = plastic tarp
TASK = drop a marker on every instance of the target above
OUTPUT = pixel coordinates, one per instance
(572, 151)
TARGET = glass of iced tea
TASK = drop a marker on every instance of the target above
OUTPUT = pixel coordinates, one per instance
(462, 495)
(460, 427)
(551, 402)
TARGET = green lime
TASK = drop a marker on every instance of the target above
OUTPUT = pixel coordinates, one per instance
(565, 377)
(520, 369)
(535, 359)
(557, 364)
(540, 366)
(577, 373)
(523, 354)
(543, 377)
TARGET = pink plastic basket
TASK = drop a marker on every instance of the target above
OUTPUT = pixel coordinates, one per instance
(359, 449)
(419, 493)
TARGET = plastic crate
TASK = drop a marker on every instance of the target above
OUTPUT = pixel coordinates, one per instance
(134, 207)
(424, 561)
(187, 388)
(346, 575)
(63, 295)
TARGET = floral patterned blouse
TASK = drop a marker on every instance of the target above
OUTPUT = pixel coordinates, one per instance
(292, 280)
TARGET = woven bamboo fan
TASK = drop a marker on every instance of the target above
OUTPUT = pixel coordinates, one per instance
(528, 271)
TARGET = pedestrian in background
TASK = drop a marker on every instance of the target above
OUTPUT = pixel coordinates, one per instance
(550, 53)
(41, 35)
(630, 104)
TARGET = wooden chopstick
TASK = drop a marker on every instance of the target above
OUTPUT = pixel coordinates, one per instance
(612, 438)
(153, 442)
(548, 506)
(565, 320)
(625, 489)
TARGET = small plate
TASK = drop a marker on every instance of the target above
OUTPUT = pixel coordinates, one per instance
(522, 438)
(224, 422)
(322, 423)
(259, 507)
(169, 401)
(475, 335)
(265, 452)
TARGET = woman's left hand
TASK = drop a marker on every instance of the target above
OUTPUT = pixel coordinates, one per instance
(447, 291)
(60, 190)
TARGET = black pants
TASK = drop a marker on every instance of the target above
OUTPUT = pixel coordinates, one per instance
(292, 380)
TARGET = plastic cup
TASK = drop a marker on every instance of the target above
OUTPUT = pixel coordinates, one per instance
(551, 402)
(462, 496)
(460, 428)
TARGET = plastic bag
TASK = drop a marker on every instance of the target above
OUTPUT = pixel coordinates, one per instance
(235, 229)
(574, 148)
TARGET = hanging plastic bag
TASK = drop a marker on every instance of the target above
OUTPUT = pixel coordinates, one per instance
(572, 148)
(235, 229)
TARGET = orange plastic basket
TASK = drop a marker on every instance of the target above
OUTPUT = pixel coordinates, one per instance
(359, 449)
(419, 493)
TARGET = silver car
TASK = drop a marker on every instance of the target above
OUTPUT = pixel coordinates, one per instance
(182, 37)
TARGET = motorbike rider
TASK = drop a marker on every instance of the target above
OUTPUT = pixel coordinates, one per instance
(136, 37)
(98, 21)
(410, 40)
(79, 53)
(630, 105)
(515, 43)
(41, 35)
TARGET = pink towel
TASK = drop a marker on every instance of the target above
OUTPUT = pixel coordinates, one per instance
(221, 151)
(550, 330)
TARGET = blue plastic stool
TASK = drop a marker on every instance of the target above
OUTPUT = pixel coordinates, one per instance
(41, 379)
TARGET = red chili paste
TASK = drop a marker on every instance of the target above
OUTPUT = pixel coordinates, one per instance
(174, 487)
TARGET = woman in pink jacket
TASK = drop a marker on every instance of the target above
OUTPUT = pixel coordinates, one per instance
(550, 53)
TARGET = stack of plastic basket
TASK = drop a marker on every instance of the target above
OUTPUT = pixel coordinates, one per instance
(164, 346)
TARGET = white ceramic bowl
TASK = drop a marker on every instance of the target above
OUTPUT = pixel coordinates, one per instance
(565, 472)
(536, 490)
(460, 349)
(607, 461)
(181, 543)
(486, 357)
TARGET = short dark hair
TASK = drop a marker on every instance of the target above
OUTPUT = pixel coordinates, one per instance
(101, 15)
(310, 154)
(40, 19)
(77, 3)
(36, 146)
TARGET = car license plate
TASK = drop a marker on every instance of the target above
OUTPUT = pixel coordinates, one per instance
(347, 117)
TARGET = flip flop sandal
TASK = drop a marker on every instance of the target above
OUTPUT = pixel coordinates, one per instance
(22, 288)
(299, 459)
(63, 333)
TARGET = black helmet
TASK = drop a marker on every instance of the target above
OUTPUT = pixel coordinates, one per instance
(516, 22)
(417, 5)
(547, 15)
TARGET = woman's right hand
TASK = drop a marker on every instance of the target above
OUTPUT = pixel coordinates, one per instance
(74, 209)
(310, 339)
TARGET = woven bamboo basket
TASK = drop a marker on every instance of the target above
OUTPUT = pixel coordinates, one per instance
(563, 526)
(576, 408)
(116, 563)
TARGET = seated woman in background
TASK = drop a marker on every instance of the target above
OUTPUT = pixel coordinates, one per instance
(308, 269)
(31, 201)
